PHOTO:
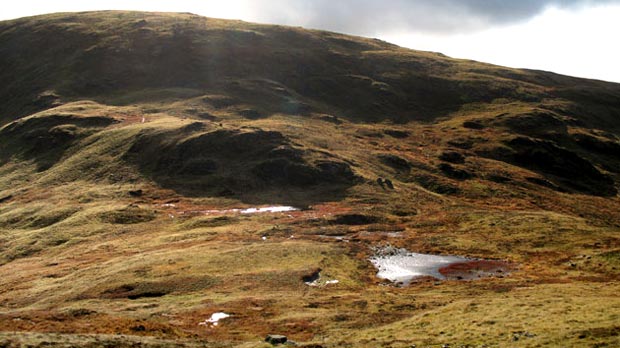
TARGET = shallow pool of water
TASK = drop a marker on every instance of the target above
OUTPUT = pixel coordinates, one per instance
(254, 210)
(402, 266)
(274, 209)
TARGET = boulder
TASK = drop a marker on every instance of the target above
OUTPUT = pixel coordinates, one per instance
(276, 339)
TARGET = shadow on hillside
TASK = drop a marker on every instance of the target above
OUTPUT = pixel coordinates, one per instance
(252, 165)
(563, 170)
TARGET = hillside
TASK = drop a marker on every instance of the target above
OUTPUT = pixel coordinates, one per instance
(131, 142)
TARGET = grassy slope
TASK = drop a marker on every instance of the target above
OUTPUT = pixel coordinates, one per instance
(83, 259)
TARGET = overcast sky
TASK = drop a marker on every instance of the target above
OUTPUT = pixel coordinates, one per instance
(573, 37)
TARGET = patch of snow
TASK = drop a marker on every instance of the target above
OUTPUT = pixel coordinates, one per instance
(332, 237)
(264, 237)
(215, 318)
(319, 282)
(274, 209)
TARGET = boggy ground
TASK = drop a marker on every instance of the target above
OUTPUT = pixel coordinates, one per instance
(109, 180)
(89, 258)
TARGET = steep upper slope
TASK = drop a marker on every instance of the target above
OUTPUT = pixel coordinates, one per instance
(282, 69)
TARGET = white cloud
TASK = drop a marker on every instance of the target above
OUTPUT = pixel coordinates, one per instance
(572, 42)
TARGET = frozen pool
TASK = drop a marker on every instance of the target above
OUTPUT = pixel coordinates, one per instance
(274, 209)
(254, 210)
(401, 266)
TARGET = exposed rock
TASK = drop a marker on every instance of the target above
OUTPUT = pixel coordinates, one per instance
(389, 184)
(276, 339)
(380, 182)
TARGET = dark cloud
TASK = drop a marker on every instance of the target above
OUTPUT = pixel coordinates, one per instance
(369, 17)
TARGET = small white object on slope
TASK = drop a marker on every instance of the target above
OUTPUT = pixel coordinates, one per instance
(318, 282)
(275, 209)
(215, 318)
